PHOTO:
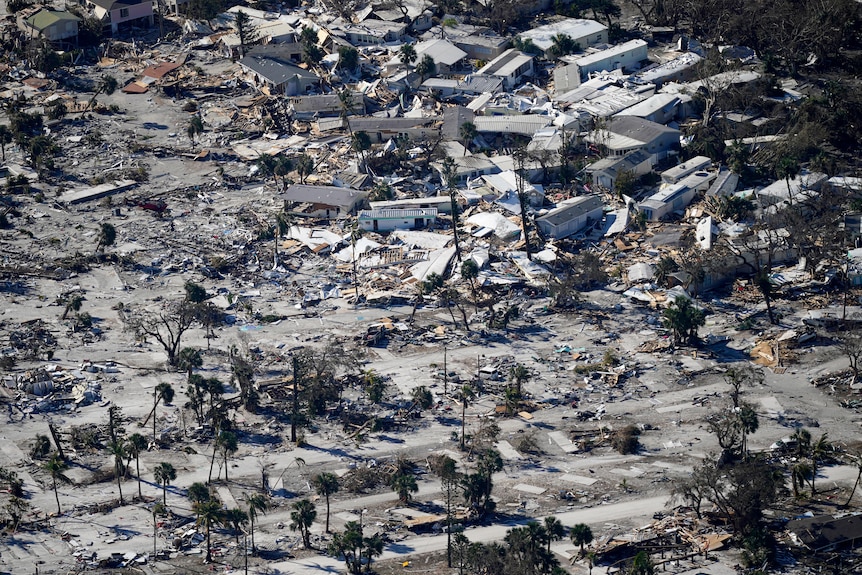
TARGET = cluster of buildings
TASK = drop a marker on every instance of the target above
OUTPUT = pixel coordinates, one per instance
(526, 111)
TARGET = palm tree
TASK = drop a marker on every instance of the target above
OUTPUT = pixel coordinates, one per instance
(198, 492)
(283, 166)
(189, 359)
(301, 519)
(856, 460)
(554, 530)
(225, 443)
(304, 167)
(73, 303)
(257, 503)
(163, 391)
(581, 535)
(470, 272)
(467, 396)
(118, 450)
(426, 67)
(799, 474)
(468, 133)
(210, 513)
(164, 473)
(407, 54)
(373, 548)
(819, 449)
(5, 139)
(748, 424)
(237, 518)
(135, 445)
(228, 445)
(55, 468)
(326, 484)
(106, 85)
(519, 374)
(404, 484)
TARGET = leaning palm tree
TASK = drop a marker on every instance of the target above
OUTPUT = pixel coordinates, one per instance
(164, 473)
(819, 449)
(55, 468)
(257, 503)
(106, 85)
(163, 392)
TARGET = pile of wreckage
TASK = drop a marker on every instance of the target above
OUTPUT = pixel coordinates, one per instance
(52, 387)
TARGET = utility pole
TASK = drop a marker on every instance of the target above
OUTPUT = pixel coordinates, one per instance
(445, 373)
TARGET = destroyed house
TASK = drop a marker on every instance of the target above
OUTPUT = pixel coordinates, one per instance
(826, 532)
(273, 72)
(570, 217)
(53, 25)
(387, 220)
(383, 129)
(119, 15)
(322, 201)
(320, 105)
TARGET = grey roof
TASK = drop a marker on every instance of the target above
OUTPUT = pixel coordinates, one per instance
(526, 124)
(397, 213)
(571, 210)
(824, 531)
(344, 198)
(638, 128)
(271, 63)
(481, 83)
(372, 123)
(614, 165)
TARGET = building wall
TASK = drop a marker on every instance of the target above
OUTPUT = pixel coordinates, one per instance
(570, 227)
(122, 15)
(390, 224)
(626, 61)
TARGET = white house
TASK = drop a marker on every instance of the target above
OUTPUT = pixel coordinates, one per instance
(627, 56)
(583, 32)
(442, 204)
(685, 169)
(387, 220)
(512, 66)
(675, 197)
(570, 217)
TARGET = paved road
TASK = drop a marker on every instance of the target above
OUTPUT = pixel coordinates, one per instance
(419, 545)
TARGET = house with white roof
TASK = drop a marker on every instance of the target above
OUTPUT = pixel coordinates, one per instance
(389, 219)
(446, 55)
(584, 32)
(513, 66)
(570, 217)
(625, 57)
